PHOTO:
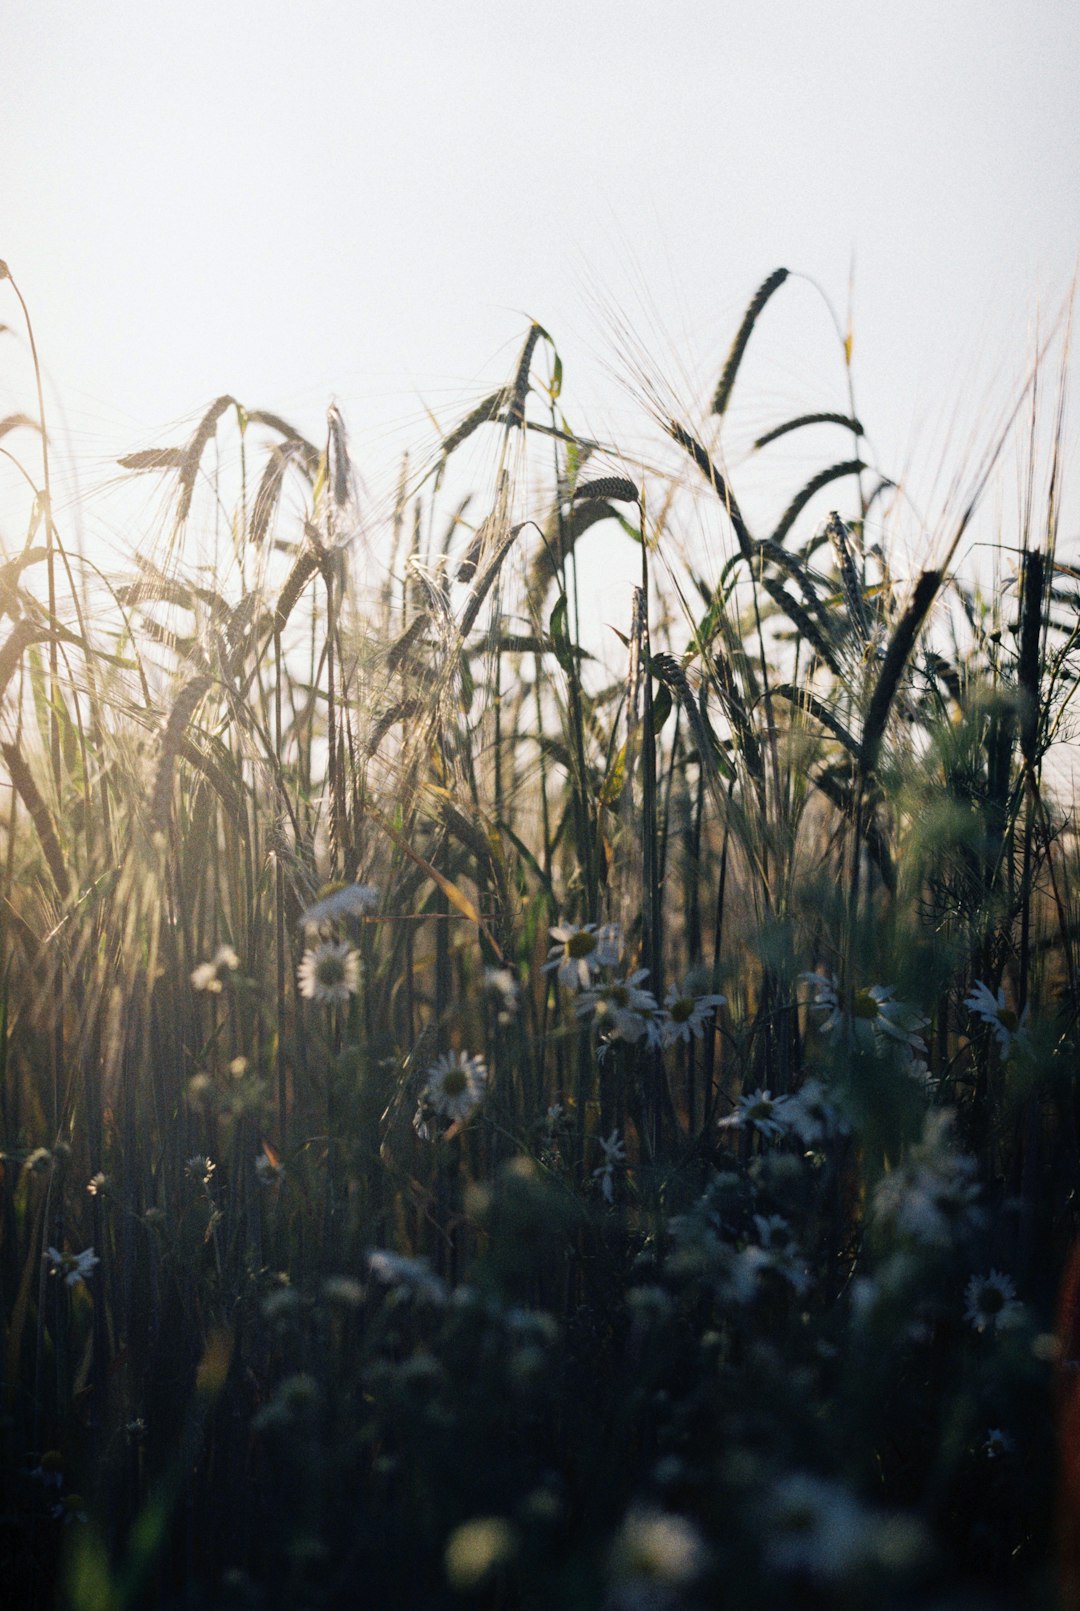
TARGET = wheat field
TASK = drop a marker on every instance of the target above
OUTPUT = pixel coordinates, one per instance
(487, 1125)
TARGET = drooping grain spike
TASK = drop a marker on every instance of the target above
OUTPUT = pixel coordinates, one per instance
(803, 622)
(615, 488)
(194, 451)
(269, 489)
(22, 781)
(480, 415)
(154, 459)
(738, 346)
(832, 472)
(846, 420)
(303, 569)
(896, 658)
(720, 486)
(840, 539)
(22, 635)
(15, 422)
(174, 730)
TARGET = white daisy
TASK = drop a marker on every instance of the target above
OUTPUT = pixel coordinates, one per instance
(875, 1016)
(1010, 1030)
(579, 953)
(74, 1267)
(811, 1115)
(453, 1091)
(623, 1010)
(991, 1302)
(329, 973)
(412, 1277)
(686, 1014)
(211, 976)
(760, 1111)
(337, 901)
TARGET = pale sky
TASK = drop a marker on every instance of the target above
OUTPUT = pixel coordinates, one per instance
(296, 203)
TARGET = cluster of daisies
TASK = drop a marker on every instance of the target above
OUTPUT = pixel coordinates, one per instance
(584, 958)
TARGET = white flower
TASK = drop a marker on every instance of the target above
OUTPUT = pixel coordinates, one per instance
(686, 1014)
(74, 1267)
(875, 1018)
(211, 976)
(500, 984)
(453, 1091)
(656, 1557)
(329, 973)
(811, 1115)
(932, 1195)
(991, 1302)
(97, 1184)
(578, 953)
(337, 901)
(623, 1010)
(614, 1158)
(413, 1277)
(760, 1111)
(1010, 1030)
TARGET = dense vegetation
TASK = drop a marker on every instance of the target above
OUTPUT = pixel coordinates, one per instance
(480, 1130)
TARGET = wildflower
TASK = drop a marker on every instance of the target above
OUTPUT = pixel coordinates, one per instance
(97, 1183)
(414, 1278)
(500, 984)
(655, 1558)
(478, 1550)
(210, 976)
(623, 1010)
(811, 1115)
(337, 901)
(686, 1014)
(760, 1111)
(453, 1092)
(876, 1018)
(74, 1267)
(991, 1302)
(997, 1443)
(932, 1196)
(72, 1508)
(1010, 1030)
(38, 1161)
(614, 1157)
(200, 1168)
(578, 953)
(329, 973)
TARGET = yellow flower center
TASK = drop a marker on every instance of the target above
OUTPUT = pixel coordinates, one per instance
(580, 945)
(455, 1083)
